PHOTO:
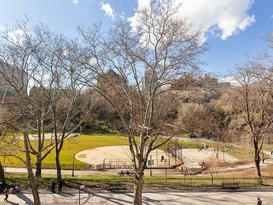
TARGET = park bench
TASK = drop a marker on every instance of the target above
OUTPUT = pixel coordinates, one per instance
(230, 185)
(126, 173)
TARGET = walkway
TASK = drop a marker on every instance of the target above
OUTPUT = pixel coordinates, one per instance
(170, 198)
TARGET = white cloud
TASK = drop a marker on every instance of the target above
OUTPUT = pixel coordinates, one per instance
(142, 4)
(16, 36)
(247, 21)
(230, 79)
(75, 1)
(107, 9)
(222, 18)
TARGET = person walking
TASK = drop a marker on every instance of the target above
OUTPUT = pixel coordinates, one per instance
(7, 192)
(60, 186)
(262, 156)
(259, 202)
(53, 184)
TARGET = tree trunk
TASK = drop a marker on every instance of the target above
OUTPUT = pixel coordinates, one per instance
(138, 186)
(58, 165)
(34, 188)
(38, 163)
(32, 180)
(2, 177)
(258, 168)
(38, 172)
(211, 180)
(257, 159)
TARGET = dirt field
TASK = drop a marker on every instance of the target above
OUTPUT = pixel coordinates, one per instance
(120, 155)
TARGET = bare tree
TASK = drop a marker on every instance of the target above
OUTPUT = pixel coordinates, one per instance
(269, 40)
(252, 101)
(211, 165)
(63, 90)
(199, 115)
(138, 67)
(199, 120)
(17, 48)
(56, 103)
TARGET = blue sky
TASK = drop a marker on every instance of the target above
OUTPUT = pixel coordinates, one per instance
(233, 29)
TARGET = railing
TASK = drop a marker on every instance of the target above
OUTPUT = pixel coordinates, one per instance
(158, 183)
(189, 183)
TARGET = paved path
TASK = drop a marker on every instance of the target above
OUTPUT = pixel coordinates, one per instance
(79, 173)
(161, 198)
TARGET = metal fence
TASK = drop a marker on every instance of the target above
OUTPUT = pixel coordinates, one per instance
(115, 163)
(189, 182)
(126, 182)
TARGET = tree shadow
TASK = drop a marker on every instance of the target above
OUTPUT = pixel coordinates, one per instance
(113, 200)
(9, 202)
(24, 198)
(66, 194)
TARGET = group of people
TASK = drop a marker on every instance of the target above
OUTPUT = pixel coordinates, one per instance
(204, 147)
(53, 186)
(13, 189)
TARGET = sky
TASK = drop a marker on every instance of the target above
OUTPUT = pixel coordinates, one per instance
(232, 29)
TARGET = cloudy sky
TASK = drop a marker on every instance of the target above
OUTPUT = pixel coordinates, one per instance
(233, 29)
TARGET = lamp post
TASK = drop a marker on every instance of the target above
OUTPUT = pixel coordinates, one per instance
(166, 172)
(175, 154)
(151, 174)
(81, 188)
(223, 153)
(73, 164)
(4, 162)
(169, 153)
(181, 156)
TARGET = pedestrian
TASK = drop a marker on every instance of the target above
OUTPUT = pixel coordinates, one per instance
(8, 191)
(60, 186)
(53, 184)
(259, 202)
(263, 156)
(182, 168)
(1, 185)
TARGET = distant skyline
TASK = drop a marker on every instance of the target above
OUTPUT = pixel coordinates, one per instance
(233, 29)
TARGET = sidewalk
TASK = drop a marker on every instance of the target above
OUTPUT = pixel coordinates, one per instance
(151, 198)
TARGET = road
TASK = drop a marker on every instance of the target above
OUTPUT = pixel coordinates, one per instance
(152, 198)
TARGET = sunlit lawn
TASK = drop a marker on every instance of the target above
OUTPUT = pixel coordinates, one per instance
(72, 146)
(76, 144)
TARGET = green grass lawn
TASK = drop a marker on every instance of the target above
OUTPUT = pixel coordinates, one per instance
(83, 142)
(72, 146)
(76, 144)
